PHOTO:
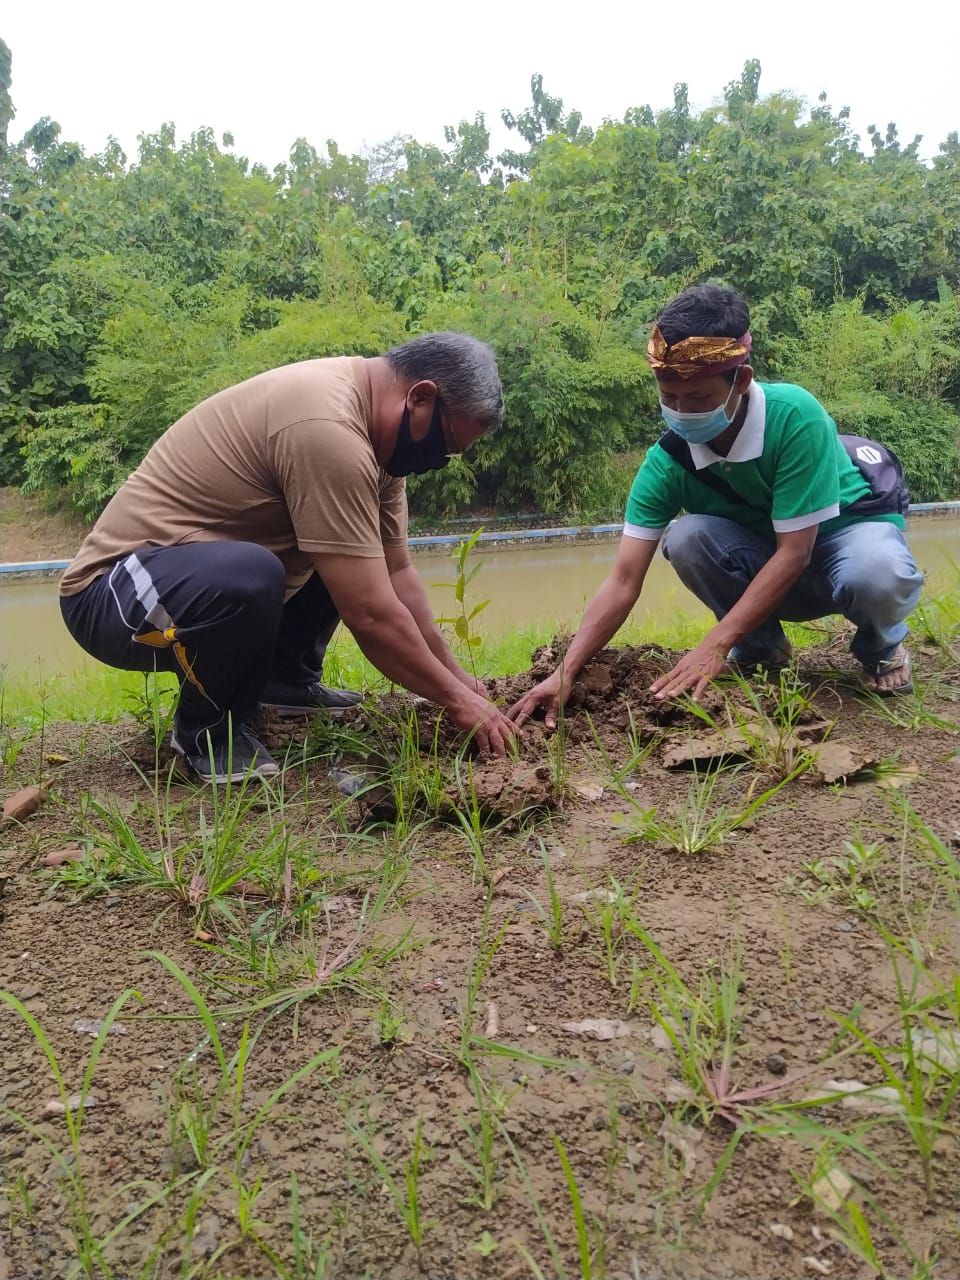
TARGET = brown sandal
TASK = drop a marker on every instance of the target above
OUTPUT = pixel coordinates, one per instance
(885, 668)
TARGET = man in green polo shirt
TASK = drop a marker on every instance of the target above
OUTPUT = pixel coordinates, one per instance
(771, 530)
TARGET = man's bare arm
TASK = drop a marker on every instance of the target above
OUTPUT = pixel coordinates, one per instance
(603, 618)
(385, 630)
(410, 590)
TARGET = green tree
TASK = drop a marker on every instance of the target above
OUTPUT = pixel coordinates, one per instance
(134, 286)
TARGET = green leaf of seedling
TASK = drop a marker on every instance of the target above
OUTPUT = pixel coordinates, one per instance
(477, 608)
(862, 1234)
(459, 589)
(485, 1245)
(462, 629)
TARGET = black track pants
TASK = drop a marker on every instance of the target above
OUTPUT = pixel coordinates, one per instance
(212, 613)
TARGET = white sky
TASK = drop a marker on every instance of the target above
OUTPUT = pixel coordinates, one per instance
(361, 72)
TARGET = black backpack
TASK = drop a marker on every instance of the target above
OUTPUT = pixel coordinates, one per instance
(879, 466)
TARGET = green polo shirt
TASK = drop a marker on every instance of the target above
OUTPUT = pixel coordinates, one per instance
(787, 462)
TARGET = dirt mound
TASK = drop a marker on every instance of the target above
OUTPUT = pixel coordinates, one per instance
(31, 531)
(609, 705)
(615, 680)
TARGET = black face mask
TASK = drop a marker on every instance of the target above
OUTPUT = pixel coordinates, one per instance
(414, 457)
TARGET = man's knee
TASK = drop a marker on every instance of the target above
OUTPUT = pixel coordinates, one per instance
(248, 575)
(689, 541)
(878, 579)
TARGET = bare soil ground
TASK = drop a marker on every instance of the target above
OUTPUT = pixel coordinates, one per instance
(30, 531)
(461, 1009)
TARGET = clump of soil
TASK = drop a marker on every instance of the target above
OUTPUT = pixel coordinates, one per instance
(614, 683)
(505, 789)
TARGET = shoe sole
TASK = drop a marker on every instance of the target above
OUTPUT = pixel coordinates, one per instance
(305, 713)
(238, 775)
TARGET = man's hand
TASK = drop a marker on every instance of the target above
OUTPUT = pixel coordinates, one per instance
(550, 694)
(701, 665)
(695, 669)
(473, 683)
(492, 731)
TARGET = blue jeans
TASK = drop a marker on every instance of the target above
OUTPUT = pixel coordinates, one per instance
(863, 571)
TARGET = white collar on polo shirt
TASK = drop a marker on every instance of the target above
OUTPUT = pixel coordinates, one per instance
(749, 442)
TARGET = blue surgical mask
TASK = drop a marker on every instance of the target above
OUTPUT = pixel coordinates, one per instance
(700, 428)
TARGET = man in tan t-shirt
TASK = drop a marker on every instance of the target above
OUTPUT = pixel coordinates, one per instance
(264, 516)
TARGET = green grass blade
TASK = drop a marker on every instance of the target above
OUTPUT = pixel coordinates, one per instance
(579, 1221)
(201, 1006)
(325, 1055)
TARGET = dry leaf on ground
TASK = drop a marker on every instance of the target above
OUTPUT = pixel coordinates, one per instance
(491, 1028)
(660, 1034)
(684, 1138)
(936, 1049)
(247, 889)
(882, 1100)
(55, 1107)
(838, 761)
(91, 1027)
(332, 905)
(819, 1265)
(691, 750)
(69, 853)
(595, 895)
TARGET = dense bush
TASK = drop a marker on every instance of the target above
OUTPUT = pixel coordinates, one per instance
(132, 290)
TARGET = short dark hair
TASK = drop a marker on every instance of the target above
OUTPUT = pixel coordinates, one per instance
(464, 369)
(705, 311)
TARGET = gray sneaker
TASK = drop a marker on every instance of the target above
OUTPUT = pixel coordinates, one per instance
(308, 699)
(221, 762)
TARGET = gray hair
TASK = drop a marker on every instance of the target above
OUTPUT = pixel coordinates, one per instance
(464, 369)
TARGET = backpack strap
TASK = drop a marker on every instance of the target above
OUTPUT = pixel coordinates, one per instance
(679, 450)
(879, 466)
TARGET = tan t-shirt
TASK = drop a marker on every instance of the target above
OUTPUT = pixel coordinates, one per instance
(284, 460)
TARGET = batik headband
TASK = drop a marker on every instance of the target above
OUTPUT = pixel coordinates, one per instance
(694, 357)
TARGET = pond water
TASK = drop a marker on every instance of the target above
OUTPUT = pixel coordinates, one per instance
(525, 584)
